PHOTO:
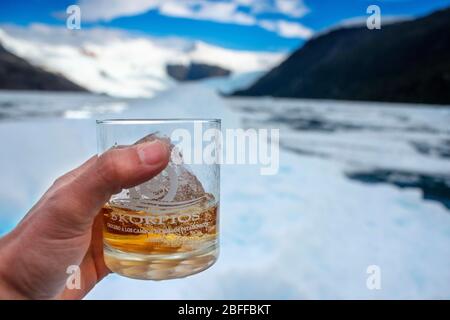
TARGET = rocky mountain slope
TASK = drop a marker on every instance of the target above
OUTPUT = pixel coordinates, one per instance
(17, 74)
(403, 62)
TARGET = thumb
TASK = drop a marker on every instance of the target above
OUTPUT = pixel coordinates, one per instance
(121, 168)
(77, 199)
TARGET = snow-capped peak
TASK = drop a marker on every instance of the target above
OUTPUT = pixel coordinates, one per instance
(120, 63)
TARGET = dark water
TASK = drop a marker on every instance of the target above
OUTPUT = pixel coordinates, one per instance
(403, 145)
(434, 187)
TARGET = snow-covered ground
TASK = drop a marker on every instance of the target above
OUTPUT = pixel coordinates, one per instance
(307, 232)
(121, 63)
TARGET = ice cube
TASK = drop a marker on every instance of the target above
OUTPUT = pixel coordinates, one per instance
(175, 183)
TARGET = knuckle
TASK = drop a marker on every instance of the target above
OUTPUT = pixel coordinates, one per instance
(60, 181)
(61, 208)
(54, 200)
(108, 169)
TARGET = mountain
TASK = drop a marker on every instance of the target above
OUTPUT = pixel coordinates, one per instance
(120, 63)
(18, 74)
(403, 62)
(195, 71)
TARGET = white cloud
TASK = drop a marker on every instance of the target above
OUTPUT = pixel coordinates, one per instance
(106, 10)
(362, 20)
(293, 8)
(293, 30)
(172, 8)
(225, 11)
(287, 29)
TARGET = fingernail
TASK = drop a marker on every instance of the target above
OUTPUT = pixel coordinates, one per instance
(152, 153)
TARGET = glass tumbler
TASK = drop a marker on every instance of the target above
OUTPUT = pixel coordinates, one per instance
(167, 227)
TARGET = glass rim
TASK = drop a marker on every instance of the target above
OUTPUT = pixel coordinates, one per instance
(158, 121)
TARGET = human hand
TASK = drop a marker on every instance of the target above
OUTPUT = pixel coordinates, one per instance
(64, 227)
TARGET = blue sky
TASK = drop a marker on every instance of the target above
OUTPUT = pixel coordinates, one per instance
(269, 25)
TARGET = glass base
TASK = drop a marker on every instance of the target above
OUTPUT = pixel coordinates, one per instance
(160, 266)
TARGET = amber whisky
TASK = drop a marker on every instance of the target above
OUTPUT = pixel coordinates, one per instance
(161, 242)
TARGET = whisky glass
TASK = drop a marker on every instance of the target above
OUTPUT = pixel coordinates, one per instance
(167, 227)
